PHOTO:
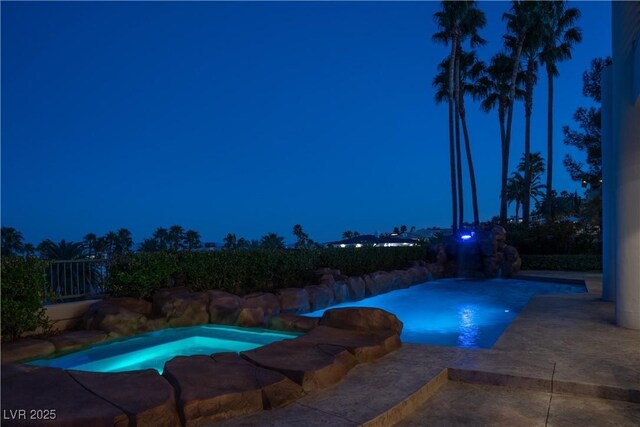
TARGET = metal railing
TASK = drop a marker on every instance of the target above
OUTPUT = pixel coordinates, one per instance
(74, 280)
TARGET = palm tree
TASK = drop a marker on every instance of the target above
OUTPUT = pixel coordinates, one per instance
(471, 70)
(90, 241)
(493, 88)
(515, 191)
(559, 36)
(29, 250)
(175, 238)
(123, 241)
(109, 242)
(536, 169)
(12, 243)
(230, 241)
(530, 52)
(161, 236)
(272, 241)
(347, 234)
(302, 238)
(61, 251)
(456, 22)
(523, 18)
(192, 240)
(469, 73)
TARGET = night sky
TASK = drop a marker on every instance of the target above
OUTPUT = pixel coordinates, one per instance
(248, 117)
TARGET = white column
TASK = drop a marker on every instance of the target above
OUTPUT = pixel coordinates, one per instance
(608, 189)
(626, 146)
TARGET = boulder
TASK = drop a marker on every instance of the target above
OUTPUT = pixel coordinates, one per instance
(327, 280)
(418, 274)
(292, 323)
(365, 346)
(155, 323)
(313, 366)
(145, 396)
(26, 349)
(74, 340)
(356, 288)
(208, 391)
(377, 283)
(267, 301)
(511, 261)
(436, 270)
(181, 307)
(340, 292)
(118, 316)
(277, 389)
(293, 301)
(224, 386)
(224, 307)
(250, 317)
(401, 279)
(46, 389)
(319, 297)
(361, 319)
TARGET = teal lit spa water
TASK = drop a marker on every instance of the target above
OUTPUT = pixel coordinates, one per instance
(153, 349)
(459, 312)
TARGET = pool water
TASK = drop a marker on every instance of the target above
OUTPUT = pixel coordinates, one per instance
(459, 312)
(153, 349)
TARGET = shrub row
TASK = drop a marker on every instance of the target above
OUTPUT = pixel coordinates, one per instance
(22, 295)
(247, 271)
(553, 238)
(562, 262)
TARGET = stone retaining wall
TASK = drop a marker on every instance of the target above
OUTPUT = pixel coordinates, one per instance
(174, 307)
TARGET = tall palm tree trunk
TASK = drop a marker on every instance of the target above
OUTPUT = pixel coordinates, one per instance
(517, 209)
(504, 164)
(507, 142)
(549, 144)
(472, 175)
(526, 202)
(452, 144)
(456, 97)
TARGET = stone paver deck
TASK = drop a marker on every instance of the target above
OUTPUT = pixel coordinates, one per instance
(562, 362)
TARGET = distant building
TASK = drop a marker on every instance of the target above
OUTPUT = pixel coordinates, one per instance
(376, 241)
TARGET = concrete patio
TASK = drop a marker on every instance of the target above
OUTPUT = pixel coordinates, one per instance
(562, 362)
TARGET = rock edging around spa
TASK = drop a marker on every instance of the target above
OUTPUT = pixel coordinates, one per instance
(174, 307)
(199, 390)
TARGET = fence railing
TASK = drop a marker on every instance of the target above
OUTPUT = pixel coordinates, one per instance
(74, 280)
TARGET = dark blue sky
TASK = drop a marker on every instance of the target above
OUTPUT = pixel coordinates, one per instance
(247, 117)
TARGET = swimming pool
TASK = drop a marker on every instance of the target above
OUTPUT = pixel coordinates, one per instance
(153, 349)
(459, 312)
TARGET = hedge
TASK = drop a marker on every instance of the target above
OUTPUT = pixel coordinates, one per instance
(22, 295)
(562, 262)
(246, 271)
(553, 238)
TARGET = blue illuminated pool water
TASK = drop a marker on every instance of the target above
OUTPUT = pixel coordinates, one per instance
(153, 349)
(459, 312)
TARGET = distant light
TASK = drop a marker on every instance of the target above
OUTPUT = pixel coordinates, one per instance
(343, 245)
(466, 236)
(358, 245)
(506, 311)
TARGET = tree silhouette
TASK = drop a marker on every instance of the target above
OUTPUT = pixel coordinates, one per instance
(457, 21)
(12, 242)
(230, 241)
(559, 37)
(272, 241)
